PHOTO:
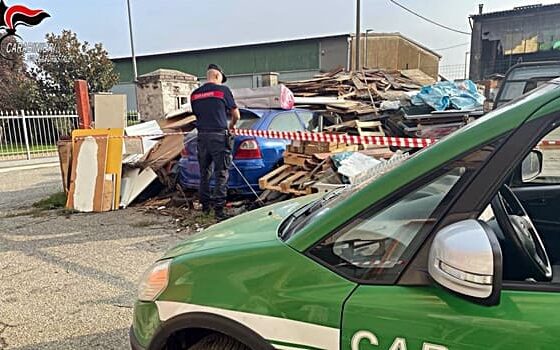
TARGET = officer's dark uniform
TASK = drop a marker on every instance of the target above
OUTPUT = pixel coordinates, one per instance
(211, 104)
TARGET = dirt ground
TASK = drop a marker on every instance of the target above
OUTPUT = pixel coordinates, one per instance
(68, 281)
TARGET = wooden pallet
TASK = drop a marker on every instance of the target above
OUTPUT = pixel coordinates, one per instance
(287, 184)
(282, 180)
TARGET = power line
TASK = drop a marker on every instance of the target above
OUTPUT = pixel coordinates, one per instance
(451, 47)
(429, 20)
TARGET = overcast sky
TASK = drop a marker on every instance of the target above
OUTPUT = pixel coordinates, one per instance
(171, 25)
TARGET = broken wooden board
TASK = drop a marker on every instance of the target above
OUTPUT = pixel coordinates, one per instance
(114, 153)
(378, 153)
(65, 158)
(312, 147)
(356, 127)
(108, 193)
(296, 147)
(419, 77)
(110, 111)
(298, 159)
(89, 157)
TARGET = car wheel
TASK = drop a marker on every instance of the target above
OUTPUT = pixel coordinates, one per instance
(218, 342)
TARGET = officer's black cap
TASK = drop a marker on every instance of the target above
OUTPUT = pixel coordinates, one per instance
(219, 69)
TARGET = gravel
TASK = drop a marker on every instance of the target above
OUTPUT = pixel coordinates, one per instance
(69, 281)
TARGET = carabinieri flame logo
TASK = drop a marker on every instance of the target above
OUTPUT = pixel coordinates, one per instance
(13, 16)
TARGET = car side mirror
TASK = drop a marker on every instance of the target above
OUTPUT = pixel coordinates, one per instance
(532, 165)
(466, 259)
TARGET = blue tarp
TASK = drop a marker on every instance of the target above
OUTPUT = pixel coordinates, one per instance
(461, 95)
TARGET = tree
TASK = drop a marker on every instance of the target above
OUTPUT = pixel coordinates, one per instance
(19, 89)
(67, 60)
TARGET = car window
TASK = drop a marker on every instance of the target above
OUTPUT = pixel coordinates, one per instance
(374, 244)
(550, 149)
(286, 122)
(524, 79)
(248, 120)
(311, 123)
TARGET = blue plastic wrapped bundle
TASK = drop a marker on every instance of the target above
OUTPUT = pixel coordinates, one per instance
(461, 95)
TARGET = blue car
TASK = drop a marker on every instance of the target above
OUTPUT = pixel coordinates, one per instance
(253, 156)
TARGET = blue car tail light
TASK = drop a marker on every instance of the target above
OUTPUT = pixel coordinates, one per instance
(248, 149)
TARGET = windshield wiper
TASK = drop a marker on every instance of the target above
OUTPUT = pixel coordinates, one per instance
(307, 210)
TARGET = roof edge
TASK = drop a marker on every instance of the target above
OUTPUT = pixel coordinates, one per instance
(233, 46)
(517, 10)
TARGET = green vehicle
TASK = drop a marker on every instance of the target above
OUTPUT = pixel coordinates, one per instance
(456, 247)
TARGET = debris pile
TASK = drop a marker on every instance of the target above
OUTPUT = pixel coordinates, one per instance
(409, 103)
(106, 169)
(309, 168)
(352, 94)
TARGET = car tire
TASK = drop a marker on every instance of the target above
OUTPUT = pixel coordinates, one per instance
(218, 342)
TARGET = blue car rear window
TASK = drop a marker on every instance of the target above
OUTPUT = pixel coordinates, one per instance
(248, 120)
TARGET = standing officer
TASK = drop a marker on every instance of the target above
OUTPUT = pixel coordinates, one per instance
(212, 103)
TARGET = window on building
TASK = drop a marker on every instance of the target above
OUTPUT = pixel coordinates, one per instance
(180, 101)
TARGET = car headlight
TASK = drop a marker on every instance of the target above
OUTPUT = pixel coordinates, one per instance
(154, 281)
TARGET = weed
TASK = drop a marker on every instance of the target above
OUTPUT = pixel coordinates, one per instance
(144, 223)
(55, 201)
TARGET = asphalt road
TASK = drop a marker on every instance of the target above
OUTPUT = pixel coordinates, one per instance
(69, 281)
(24, 187)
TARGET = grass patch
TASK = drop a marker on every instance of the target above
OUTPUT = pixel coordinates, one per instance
(55, 201)
(15, 149)
(197, 218)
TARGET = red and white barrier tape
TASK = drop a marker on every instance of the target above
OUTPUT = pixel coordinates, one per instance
(324, 137)
(308, 136)
(340, 138)
(550, 143)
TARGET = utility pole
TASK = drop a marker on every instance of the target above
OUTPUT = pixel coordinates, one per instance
(366, 64)
(466, 64)
(134, 66)
(358, 35)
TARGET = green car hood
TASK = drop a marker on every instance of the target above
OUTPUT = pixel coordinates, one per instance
(252, 227)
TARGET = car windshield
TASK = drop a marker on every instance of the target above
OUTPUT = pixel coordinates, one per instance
(374, 243)
(303, 216)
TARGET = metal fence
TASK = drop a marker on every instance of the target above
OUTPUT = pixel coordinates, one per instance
(454, 71)
(34, 134)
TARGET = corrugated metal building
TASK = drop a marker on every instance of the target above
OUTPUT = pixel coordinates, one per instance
(523, 34)
(293, 59)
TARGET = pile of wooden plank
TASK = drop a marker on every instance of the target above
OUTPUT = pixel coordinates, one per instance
(355, 93)
(359, 128)
(305, 163)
